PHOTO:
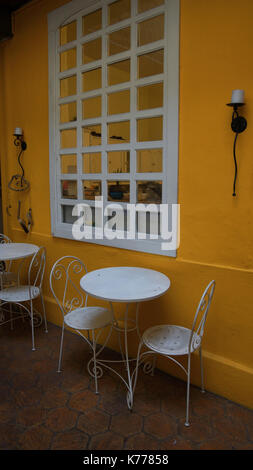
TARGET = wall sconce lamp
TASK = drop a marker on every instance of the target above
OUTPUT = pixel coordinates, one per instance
(238, 124)
(18, 182)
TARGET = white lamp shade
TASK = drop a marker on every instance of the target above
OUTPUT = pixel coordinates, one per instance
(237, 96)
(18, 131)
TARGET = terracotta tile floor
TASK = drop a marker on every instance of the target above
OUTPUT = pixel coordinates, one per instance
(42, 409)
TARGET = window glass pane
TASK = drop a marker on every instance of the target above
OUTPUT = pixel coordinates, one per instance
(67, 217)
(91, 189)
(149, 192)
(119, 191)
(92, 22)
(150, 96)
(68, 164)
(92, 107)
(149, 129)
(119, 41)
(119, 102)
(150, 64)
(67, 59)
(118, 11)
(68, 112)
(151, 30)
(144, 5)
(118, 132)
(119, 72)
(68, 86)
(69, 189)
(92, 135)
(68, 138)
(68, 33)
(92, 80)
(149, 160)
(118, 162)
(92, 51)
(92, 162)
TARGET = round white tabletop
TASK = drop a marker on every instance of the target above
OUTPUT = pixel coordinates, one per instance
(125, 284)
(12, 251)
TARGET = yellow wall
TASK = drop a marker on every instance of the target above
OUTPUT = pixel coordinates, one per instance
(216, 40)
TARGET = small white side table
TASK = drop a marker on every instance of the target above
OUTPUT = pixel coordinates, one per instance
(128, 285)
(12, 251)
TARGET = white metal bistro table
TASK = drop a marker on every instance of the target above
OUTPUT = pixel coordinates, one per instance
(127, 285)
(13, 251)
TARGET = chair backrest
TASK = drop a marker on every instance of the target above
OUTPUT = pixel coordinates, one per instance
(4, 265)
(37, 268)
(64, 283)
(199, 321)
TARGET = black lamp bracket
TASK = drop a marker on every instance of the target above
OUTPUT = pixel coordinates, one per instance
(238, 125)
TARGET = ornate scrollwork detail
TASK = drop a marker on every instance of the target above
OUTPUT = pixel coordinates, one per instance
(92, 370)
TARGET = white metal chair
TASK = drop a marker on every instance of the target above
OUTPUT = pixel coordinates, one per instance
(72, 302)
(24, 295)
(174, 340)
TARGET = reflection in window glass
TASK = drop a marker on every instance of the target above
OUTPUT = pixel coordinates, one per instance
(118, 132)
(119, 191)
(69, 189)
(150, 64)
(119, 41)
(68, 164)
(119, 102)
(67, 59)
(91, 189)
(149, 129)
(92, 79)
(151, 30)
(149, 160)
(67, 217)
(68, 33)
(144, 5)
(68, 86)
(150, 96)
(92, 22)
(92, 162)
(92, 51)
(68, 112)
(119, 72)
(92, 107)
(91, 135)
(118, 162)
(118, 11)
(68, 138)
(149, 192)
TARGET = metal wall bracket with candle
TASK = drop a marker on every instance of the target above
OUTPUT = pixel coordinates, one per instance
(18, 182)
(238, 124)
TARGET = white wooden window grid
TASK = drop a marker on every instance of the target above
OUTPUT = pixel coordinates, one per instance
(169, 112)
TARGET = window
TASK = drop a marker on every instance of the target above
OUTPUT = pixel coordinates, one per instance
(113, 99)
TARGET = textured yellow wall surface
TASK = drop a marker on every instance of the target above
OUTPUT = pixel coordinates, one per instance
(216, 40)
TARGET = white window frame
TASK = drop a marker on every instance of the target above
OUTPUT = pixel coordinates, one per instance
(170, 78)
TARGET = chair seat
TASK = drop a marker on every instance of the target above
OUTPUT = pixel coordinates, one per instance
(19, 293)
(170, 339)
(88, 318)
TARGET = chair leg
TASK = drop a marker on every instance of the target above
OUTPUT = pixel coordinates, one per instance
(94, 360)
(31, 307)
(201, 371)
(11, 316)
(44, 312)
(61, 346)
(188, 391)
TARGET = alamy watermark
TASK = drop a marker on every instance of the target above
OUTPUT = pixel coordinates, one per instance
(128, 222)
